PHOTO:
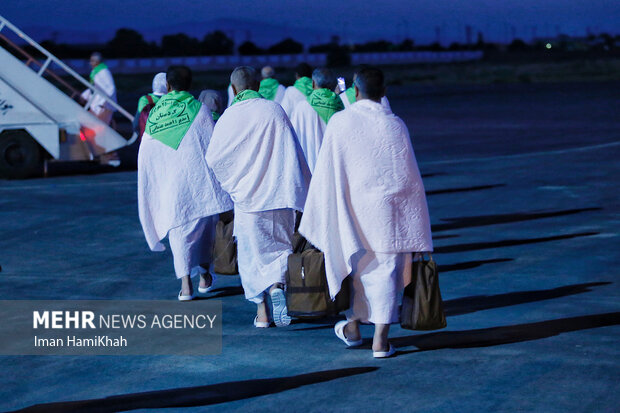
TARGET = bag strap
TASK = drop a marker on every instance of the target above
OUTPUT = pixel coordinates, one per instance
(300, 245)
(150, 99)
(298, 216)
(295, 264)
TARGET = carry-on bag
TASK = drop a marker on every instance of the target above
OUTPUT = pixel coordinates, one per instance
(422, 306)
(307, 292)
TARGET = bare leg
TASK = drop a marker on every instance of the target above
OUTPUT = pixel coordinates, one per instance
(380, 340)
(262, 312)
(205, 279)
(352, 330)
(186, 286)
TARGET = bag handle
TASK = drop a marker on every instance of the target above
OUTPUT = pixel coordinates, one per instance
(421, 255)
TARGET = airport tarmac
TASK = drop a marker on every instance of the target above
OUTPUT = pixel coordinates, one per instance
(522, 185)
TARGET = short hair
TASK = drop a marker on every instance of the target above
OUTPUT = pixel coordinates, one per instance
(267, 72)
(96, 55)
(324, 78)
(370, 83)
(244, 77)
(179, 77)
(303, 70)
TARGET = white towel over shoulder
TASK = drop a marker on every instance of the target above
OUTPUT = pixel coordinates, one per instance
(366, 191)
(384, 101)
(279, 94)
(255, 155)
(292, 96)
(177, 187)
(309, 128)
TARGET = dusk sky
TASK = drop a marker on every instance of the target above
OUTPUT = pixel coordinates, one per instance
(352, 20)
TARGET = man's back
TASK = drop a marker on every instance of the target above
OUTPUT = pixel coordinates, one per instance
(176, 186)
(105, 81)
(292, 96)
(368, 157)
(255, 155)
(378, 152)
(309, 128)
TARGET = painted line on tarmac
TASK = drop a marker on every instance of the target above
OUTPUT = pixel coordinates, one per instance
(525, 155)
(76, 185)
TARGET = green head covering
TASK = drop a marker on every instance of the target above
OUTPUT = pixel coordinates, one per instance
(171, 117)
(269, 88)
(325, 102)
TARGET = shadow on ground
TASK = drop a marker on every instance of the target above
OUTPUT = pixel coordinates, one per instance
(508, 243)
(496, 336)
(222, 292)
(197, 396)
(465, 189)
(431, 174)
(484, 220)
(470, 264)
(469, 305)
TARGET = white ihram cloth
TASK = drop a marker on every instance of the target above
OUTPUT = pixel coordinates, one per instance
(309, 128)
(263, 246)
(384, 101)
(377, 280)
(255, 156)
(366, 192)
(292, 96)
(192, 246)
(231, 95)
(177, 187)
(279, 94)
(104, 81)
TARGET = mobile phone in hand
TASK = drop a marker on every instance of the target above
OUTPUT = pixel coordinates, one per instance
(341, 84)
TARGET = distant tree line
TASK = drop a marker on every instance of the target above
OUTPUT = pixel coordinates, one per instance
(130, 43)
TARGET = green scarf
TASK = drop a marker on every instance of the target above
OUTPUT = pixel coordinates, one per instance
(245, 95)
(350, 94)
(304, 85)
(171, 117)
(268, 88)
(144, 101)
(325, 102)
(96, 69)
(215, 115)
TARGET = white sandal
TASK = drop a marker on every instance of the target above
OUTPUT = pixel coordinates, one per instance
(339, 330)
(185, 297)
(261, 324)
(384, 354)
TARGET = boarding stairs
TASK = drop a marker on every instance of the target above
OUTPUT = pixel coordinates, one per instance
(43, 102)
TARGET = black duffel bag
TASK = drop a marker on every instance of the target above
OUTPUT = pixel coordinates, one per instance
(422, 307)
(224, 247)
(307, 293)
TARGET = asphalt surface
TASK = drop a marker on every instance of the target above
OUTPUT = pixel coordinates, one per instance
(522, 184)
